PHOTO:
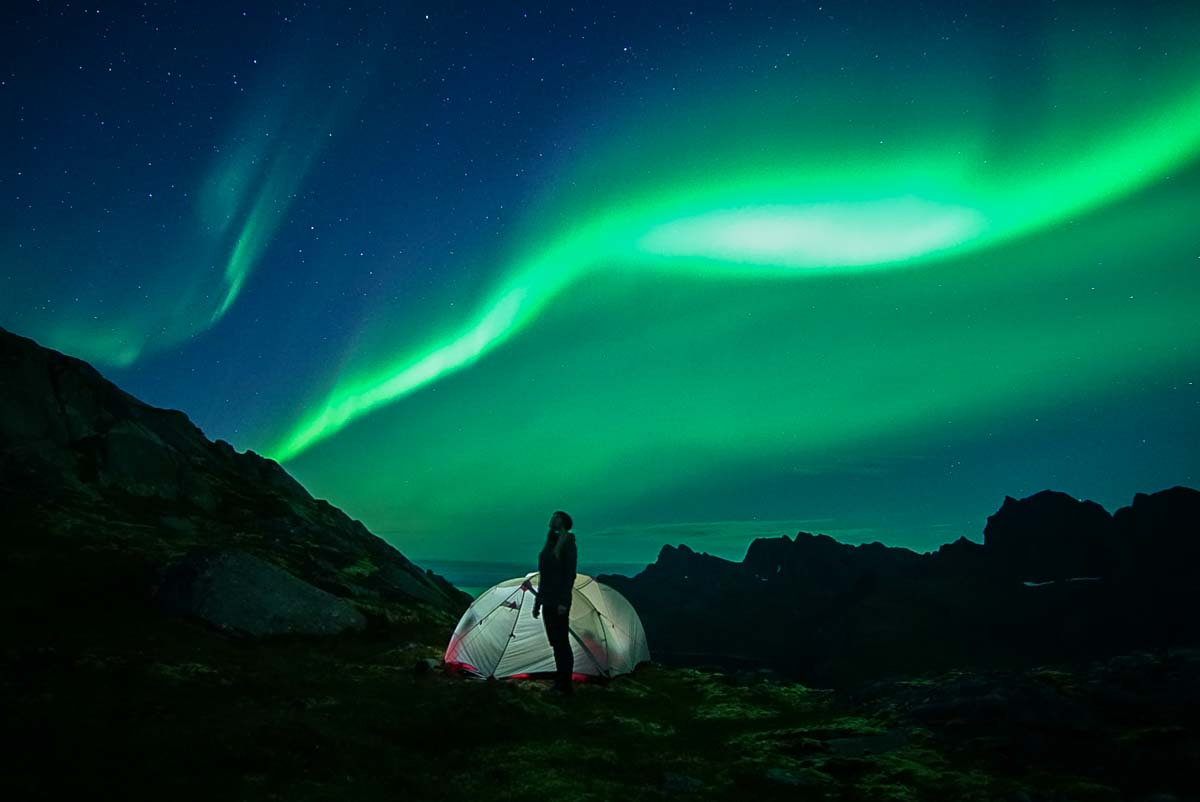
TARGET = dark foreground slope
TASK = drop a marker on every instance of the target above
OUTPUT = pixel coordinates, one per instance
(1055, 579)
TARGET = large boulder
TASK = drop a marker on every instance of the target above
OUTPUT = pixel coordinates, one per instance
(237, 592)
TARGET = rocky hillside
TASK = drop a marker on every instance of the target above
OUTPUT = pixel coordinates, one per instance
(1055, 579)
(103, 493)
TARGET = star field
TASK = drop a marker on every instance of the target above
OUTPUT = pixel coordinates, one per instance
(862, 268)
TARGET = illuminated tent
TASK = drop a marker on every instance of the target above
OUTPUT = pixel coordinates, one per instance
(499, 637)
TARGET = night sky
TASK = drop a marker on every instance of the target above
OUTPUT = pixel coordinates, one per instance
(692, 272)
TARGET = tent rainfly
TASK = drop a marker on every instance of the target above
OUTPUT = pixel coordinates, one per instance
(499, 637)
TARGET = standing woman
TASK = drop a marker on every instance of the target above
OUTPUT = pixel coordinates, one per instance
(556, 570)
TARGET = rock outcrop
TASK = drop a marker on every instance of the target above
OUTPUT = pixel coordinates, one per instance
(1158, 543)
(1158, 536)
(1050, 536)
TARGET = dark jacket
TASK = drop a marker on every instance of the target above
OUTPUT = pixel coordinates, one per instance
(556, 569)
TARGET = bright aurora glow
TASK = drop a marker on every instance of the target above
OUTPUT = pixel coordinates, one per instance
(847, 269)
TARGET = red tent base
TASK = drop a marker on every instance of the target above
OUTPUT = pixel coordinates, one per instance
(550, 675)
(465, 669)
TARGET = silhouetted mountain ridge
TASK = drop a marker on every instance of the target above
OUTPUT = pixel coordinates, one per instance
(1055, 578)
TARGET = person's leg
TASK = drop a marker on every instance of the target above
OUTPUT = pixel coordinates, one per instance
(560, 641)
(551, 620)
(564, 661)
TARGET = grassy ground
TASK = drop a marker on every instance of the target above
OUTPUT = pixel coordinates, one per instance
(167, 709)
(105, 697)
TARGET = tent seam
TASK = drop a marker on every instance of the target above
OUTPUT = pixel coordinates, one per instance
(508, 640)
(604, 630)
(579, 640)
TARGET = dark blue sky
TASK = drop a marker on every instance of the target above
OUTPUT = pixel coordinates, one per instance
(866, 265)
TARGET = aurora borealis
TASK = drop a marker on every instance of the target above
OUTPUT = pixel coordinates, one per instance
(694, 273)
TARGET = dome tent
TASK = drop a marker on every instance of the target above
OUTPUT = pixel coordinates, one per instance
(499, 637)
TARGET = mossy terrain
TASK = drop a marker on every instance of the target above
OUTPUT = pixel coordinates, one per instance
(109, 698)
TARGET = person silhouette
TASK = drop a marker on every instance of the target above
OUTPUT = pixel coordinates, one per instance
(556, 581)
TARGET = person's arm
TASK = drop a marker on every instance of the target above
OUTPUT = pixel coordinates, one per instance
(537, 599)
(537, 594)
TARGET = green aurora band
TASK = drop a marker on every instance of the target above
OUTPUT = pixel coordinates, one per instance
(769, 223)
(195, 250)
(876, 271)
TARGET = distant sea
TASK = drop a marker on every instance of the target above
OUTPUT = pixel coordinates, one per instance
(474, 576)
